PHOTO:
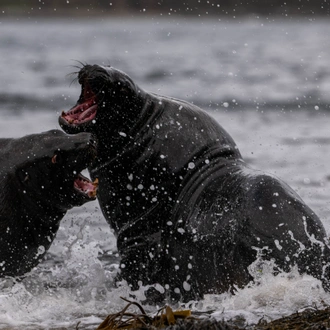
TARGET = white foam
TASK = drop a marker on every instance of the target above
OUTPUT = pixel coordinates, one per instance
(269, 297)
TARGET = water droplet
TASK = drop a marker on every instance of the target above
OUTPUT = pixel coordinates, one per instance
(186, 286)
(181, 230)
(41, 249)
(191, 165)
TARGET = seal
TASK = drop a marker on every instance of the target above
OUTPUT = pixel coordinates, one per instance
(189, 214)
(40, 180)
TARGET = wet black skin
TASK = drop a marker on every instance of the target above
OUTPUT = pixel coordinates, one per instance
(187, 210)
(36, 189)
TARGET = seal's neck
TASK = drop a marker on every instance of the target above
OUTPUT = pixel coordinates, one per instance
(128, 136)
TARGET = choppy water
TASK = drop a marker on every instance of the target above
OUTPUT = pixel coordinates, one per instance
(266, 82)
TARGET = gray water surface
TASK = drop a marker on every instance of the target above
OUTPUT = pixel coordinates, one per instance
(266, 82)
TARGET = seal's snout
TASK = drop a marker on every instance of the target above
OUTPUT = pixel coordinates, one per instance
(85, 72)
(90, 72)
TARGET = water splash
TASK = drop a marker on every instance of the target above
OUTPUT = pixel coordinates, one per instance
(268, 296)
(72, 285)
(77, 284)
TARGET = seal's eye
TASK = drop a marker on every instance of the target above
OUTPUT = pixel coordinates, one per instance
(56, 158)
(122, 87)
(124, 90)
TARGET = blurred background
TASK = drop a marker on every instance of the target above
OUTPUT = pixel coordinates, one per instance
(265, 54)
(261, 68)
(190, 7)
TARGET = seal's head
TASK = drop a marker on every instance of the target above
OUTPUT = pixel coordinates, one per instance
(109, 99)
(45, 169)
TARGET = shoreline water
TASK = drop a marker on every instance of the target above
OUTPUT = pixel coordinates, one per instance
(211, 63)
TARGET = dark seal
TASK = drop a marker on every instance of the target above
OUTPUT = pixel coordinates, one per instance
(188, 212)
(40, 180)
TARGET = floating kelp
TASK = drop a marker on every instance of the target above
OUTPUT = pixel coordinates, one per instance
(127, 320)
(166, 318)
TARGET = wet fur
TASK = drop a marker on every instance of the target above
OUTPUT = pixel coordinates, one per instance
(188, 212)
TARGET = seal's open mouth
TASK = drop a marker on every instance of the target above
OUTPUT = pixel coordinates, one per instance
(81, 113)
(86, 187)
(86, 109)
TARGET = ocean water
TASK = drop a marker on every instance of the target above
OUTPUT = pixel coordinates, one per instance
(266, 82)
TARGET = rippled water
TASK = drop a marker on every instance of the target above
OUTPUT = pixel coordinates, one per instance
(266, 83)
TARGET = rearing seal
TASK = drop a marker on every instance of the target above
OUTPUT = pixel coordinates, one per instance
(188, 212)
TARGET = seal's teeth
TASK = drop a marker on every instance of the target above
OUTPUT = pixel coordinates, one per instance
(92, 193)
(96, 182)
(63, 114)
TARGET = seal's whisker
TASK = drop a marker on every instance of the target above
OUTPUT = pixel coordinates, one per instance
(74, 80)
(82, 65)
(108, 65)
(76, 67)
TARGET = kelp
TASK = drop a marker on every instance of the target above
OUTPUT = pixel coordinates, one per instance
(128, 320)
(166, 318)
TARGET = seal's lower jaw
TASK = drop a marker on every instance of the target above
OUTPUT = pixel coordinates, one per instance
(85, 188)
(73, 128)
(70, 129)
